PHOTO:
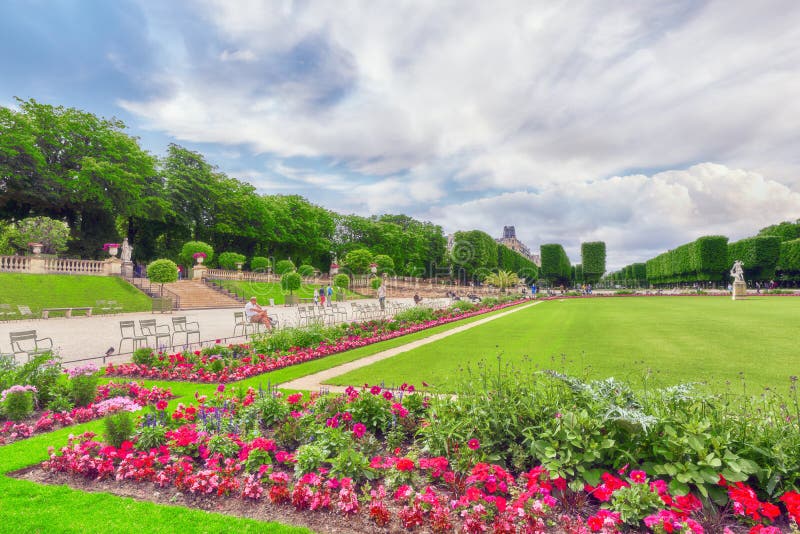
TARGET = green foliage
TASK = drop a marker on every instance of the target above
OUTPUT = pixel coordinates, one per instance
(162, 271)
(341, 281)
(291, 282)
(83, 389)
(510, 260)
(18, 405)
(705, 259)
(373, 411)
(309, 457)
(228, 260)
(306, 270)
(593, 261)
(417, 314)
(502, 280)
(42, 371)
(789, 261)
(190, 248)
(463, 306)
(284, 266)
(358, 260)
(785, 231)
(150, 437)
(759, 256)
(375, 282)
(385, 263)
(119, 427)
(635, 502)
(259, 264)
(556, 268)
(224, 445)
(474, 255)
(144, 356)
(52, 234)
(353, 464)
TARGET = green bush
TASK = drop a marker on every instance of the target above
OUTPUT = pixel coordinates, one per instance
(52, 234)
(119, 427)
(593, 261)
(463, 306)
(555, 268)
(150, 437)
(144, 356)
(417, 314)
(283, 267)
(375, 282)
(341, 281)
(385, 263)
(190, 248)
(306, 270)
(705, 259)
(789, 260)
(291, 281)
(259, 264)
(162, 271)
(19, 403)
(228, 260)
(759, 256)
(83, 389)
(358, 260)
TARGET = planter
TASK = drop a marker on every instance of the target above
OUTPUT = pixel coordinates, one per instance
(112, 251)
(36, 247)
(199, 260)
(292, 300)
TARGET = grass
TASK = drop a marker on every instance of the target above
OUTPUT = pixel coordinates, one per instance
(272, 290)
(723, 343)
(39, 291)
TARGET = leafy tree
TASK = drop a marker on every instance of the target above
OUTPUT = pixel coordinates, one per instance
(342, 281)
(556, 268)
(7, 234)
(358, 260)
(502, 280)
(593, 261)
(259, 264)
(228, 260)
(284, 266)
(786, 230)
(306, 270)
(474, 255)
(162, 272)
(375, 282)
(385, 263)
(190, 248)
(52, 234)
(291, 281)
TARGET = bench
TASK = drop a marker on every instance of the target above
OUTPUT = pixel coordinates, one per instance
(307, 300)
(67, 311)
(29, 338)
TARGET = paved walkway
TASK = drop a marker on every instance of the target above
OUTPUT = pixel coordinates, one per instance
(316, 381)
(81, 339)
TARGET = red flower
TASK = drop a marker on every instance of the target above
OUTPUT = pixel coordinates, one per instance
(161, 405)
(404, 464)
(474, 444)
(221, 388)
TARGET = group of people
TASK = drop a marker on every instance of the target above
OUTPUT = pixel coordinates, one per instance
(322, 294)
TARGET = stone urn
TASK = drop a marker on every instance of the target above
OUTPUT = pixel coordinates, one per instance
(36, 247)
(112, 251)
(199, 260)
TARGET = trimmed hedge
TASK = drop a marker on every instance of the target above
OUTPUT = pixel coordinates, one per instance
(759, 256)
(593, 260)
(786, 231)
(789, 261)
(703, 260)
(228, 260)
(510, 260)
(556, 268)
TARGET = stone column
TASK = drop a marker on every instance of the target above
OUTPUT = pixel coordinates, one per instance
(199, 272)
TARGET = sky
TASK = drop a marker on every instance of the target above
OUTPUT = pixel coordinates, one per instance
(641, 123)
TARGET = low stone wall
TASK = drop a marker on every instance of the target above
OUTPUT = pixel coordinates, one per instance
(38, 264)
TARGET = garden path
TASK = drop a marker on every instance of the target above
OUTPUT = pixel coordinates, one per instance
(316, 381)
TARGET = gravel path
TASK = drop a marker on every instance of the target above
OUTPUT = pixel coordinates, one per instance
(316, 381)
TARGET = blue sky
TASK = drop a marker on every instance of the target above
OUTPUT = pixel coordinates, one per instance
(642, 124)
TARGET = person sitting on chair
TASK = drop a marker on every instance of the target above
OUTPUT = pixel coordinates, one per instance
(256, 314)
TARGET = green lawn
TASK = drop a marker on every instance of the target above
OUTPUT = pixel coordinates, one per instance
(39, 291)
(676, 339)
(272, 290)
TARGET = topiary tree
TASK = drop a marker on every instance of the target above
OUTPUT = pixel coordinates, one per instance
(385, 264)
(375, 282)
(358, 260)
(162, 272)
(259, 264)
(52, 234)
(284, 266)
(593, 260)
(228, 260)
(190, 248)
(341, 282)
(306, 270)
(291, 282)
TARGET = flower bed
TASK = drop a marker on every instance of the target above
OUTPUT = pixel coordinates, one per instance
(356, 454)
(107, 394)
(238, 362)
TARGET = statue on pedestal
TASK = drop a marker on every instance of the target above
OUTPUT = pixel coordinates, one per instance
(737, 272)
(127, 250)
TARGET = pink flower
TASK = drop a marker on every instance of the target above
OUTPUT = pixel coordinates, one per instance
(638, 477)
(474, 444)
(359, 429)
(220, 388)
(161, 405)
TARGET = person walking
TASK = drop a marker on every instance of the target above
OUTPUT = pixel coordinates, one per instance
(322, 296)
(382, 296)
(329, 290)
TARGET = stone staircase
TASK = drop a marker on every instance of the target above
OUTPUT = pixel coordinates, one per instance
(196, 295)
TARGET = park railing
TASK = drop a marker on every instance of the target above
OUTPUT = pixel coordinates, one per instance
(41, 264)
(14, 264)
(68, 266)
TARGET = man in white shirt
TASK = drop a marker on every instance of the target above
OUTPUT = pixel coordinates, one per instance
(256, 314)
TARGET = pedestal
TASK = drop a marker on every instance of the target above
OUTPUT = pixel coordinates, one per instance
(739, 291)
(127, 269)
(112, 267)
(199, 272)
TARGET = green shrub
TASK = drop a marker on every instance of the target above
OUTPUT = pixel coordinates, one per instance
(119, 427)
(593, 261)
(222, 444)
(463, 306)
(190, 248)
(309, 458)
(162, 271)
(759, 256)
(60, 403)
(306, 270)
(18, 403)
(341, 282)
(259, 264)
(555, 268)
(144, 356)
(353, 464)
(228, 260)
(375, 282)
(83, 389)
(291, 281)
(150, 437)
(385, 263)
(283, 267)
(417, 314)
(358, 260)
(52, 234)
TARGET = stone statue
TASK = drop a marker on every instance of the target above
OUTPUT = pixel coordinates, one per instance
(737, 272)
(127, 250)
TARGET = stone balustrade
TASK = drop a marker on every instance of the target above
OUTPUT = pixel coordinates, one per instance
(38, 264)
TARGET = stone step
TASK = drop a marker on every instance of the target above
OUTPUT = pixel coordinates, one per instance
(196, 295)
